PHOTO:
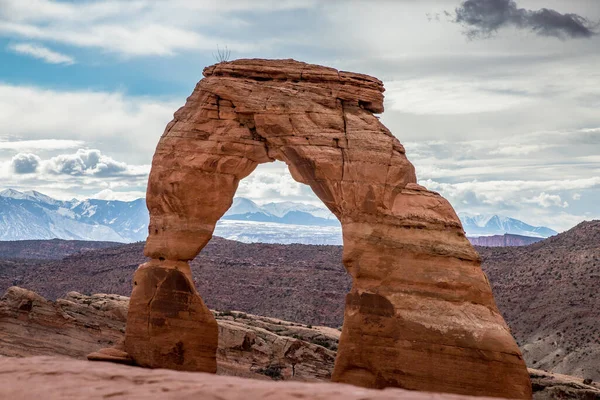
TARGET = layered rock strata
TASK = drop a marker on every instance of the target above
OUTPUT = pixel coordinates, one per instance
(420, 309)
(78, 325)
(72, 326)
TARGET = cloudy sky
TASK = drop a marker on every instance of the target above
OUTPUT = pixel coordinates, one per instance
(496, 101)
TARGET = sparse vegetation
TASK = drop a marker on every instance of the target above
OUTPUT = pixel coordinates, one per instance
(321, 341)
(273, 371)
(222, 55)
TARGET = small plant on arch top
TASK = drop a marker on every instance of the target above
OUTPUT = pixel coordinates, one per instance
(222, 55)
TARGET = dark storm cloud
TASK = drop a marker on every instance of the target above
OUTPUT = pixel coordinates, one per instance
(482, 18)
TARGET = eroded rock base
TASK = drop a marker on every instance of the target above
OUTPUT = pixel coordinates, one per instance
(168, 324)
(111, 354)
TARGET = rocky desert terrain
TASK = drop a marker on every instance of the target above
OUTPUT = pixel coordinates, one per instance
(304, 283)
(53, 249)
(250, 346)
(546, 291)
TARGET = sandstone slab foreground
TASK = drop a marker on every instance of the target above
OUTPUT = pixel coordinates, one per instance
(420, 314)
(51, 378)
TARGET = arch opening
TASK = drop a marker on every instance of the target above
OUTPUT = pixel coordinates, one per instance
(303, 285)
(271, 207)
(298, 286)
(420, 313)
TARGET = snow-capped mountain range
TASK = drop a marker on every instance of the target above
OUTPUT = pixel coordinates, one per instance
(488, 225)
(287, 212)
(33, 215)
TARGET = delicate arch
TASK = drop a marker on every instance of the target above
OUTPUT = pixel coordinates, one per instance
(420, 314)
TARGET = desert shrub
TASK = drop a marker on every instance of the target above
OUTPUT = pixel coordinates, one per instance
(321, 342)
(222, 55)
(273, 371)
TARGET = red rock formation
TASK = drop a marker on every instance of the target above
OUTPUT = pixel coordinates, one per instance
(420, 314)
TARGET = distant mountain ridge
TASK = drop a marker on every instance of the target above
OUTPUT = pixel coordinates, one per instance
(287, 212)
(32, 215)
(492, 224)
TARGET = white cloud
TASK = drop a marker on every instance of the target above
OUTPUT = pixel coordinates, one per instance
(25, 163)
(91, 162)
(42, 53)
(533, 201)
(44, 144)
(133, 28)
(145, 39)
(448, 96)
(576, 196)
(108, 194)
(547, 200)
(515, 119)
(84, 173)
(520, 149)
(272, 181)
(499, 191)
(52, 11)
(124, 125)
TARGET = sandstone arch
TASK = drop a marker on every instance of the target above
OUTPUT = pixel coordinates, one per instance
(420, 314)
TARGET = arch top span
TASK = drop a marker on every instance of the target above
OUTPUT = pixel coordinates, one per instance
(318, 120)
(348, 86)
(420, 314)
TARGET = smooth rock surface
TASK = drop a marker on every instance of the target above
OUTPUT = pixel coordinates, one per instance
(420, 309)
(51, 378)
